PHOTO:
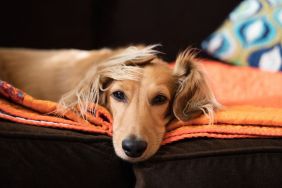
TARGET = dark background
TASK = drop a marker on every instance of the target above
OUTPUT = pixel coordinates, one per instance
(91, 24)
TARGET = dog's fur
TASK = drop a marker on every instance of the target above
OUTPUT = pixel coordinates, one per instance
(153, 93)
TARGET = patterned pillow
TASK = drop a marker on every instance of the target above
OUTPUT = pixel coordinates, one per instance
(251, 35)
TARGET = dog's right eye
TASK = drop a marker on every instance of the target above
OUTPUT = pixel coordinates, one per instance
(119, 96)
(159, 100)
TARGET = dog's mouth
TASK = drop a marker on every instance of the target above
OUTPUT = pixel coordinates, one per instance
(134, 159)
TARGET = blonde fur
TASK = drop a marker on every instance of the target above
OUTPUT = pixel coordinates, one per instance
(88, 89)
(153, 93)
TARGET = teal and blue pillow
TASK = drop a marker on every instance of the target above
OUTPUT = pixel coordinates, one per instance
(251, 35)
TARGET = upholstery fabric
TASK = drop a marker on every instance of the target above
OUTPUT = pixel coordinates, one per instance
(43, 157)
(94, 24)
(204, 163)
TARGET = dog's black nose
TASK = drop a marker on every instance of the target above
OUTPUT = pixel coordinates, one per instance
(133, 147)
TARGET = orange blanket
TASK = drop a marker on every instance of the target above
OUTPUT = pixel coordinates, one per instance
(245, 85)
(253, 108)
(20, 107)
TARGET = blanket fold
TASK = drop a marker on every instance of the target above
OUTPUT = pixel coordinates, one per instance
(20, 107)
(239, 120)
(230, 122)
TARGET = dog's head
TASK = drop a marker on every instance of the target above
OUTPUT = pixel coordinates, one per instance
(144, 94)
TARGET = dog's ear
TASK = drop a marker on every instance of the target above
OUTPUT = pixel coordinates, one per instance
(193, 96)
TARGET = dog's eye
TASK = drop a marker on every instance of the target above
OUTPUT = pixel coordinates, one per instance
(158, 100)
(119, 96)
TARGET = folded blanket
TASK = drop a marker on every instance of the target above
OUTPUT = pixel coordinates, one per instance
(20, 107)
(230, 122)
(236, 120)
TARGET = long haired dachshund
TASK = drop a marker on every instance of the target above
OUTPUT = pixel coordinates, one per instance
(141, 91)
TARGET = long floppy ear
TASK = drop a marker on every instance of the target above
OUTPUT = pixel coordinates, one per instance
(193, 96)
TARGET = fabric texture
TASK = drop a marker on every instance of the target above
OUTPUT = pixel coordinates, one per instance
(209, 163)
(43, 157)
(20, 107)
(251, 35)
(244, 85)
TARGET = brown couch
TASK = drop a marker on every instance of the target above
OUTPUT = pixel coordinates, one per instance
(43, 157)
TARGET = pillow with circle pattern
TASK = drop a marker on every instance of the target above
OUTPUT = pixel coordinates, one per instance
(251, 35)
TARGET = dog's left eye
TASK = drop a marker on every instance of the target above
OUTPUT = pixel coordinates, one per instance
(158, 100)
(119, 96)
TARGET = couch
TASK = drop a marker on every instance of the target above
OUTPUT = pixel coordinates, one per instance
(43, 157)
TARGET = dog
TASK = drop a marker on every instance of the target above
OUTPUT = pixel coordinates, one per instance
(141, 91)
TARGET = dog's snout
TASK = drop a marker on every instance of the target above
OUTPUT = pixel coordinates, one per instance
(133, 147)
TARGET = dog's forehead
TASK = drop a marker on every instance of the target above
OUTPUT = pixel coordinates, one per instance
(153, 74)
(157, 72)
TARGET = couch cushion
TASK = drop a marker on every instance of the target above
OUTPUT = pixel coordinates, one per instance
(42, 157)
(214, 163)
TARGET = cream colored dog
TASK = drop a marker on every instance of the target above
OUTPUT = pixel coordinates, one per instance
(141, 91)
